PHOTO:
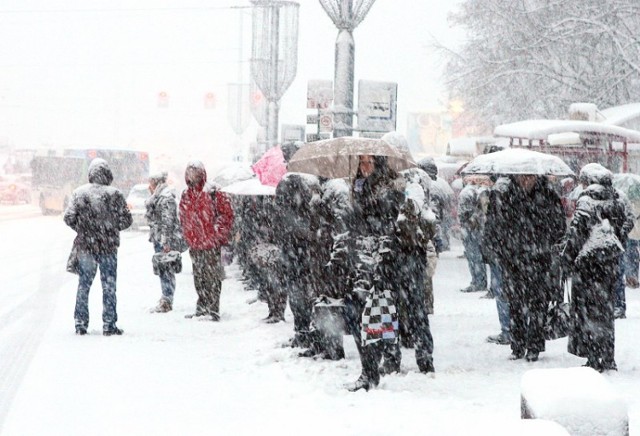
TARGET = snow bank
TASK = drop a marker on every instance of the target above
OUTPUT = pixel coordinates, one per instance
(580, 399)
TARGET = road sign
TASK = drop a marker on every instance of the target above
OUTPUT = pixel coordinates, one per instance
(326, 123)
(313, 137)
(377, 106)
(319, 94)
(292, 133)
(313, 119)
(163, 99)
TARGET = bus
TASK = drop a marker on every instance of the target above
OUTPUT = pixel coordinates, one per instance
(56, 173)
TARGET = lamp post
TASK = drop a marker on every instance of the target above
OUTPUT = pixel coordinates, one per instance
(346, 15)
(274, 54)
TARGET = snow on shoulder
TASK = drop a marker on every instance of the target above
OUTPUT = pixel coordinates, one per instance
(579, 399)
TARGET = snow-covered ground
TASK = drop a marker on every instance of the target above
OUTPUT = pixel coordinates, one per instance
(170, 375)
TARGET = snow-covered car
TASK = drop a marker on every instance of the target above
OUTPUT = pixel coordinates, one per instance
(15, 189)
(135, 202)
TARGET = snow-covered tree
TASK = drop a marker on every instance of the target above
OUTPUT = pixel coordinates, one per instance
(533, 58)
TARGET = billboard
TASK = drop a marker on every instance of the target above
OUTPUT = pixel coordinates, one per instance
(377, 103)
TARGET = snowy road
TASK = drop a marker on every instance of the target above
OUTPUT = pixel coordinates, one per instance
(168, 375)
(33, 248)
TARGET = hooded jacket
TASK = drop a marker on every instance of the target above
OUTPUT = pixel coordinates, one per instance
(98, 212)
(162, 215)
(205, 212)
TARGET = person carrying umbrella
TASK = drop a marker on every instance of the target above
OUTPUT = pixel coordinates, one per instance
(524, 222)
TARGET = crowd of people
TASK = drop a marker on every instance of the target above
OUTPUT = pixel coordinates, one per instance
(358, 257)
(542, 251)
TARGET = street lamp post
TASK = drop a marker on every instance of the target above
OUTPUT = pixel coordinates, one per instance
(274, 54)
(346, 15)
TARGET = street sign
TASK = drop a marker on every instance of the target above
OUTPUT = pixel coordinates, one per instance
(319, 94)
(292, 133)
(209, 100)
(313, 119)
(163, 99)
(313, 137)
(326, 123)
(377, 106)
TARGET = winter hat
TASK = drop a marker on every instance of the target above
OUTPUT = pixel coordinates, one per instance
(289, 149)
(195, 175)
(595, 173)
(99, 172)
(428, 165)
(158, 178)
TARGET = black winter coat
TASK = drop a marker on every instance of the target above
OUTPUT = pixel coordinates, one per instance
(98, 212)
(521, 226)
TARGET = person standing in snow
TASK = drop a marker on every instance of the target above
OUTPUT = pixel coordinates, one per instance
(207, 219)
(497, 286)
(522, 232)
(472, 219)
(383, 215)
(593, 248)
(327, 328)
(164, 234)
(296, 228)
(416, 228)
(97, 212)
(442, 197)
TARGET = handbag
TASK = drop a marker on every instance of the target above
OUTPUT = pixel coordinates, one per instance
(328, 314)
(558, 321)
(169, 262)
(379, 318)
(73, 263)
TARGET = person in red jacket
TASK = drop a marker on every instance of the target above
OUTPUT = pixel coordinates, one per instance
(206, 217)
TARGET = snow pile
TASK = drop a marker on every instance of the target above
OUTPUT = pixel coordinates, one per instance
(580, 399)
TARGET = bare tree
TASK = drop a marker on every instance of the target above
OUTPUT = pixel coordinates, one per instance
(533, 58)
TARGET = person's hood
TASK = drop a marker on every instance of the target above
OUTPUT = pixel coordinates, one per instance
(289, 149)
(428, 165)
(195, 176)
(595, 173)
(99, 172)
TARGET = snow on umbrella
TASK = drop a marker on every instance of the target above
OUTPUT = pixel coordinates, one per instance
(232, 173)
(270, 167)
(249, 187)
(338, 157)
(629, 184)
(518, 161)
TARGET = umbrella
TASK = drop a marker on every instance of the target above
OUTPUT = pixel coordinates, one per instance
(270, 167)
(338, 157)
(629, 184)
(249, 187)
(232, 173)
(518, 161)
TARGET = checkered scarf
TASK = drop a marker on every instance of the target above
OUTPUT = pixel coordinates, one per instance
(379, 318)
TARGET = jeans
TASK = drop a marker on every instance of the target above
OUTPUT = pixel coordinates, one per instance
(167, 278)
(501, 301)
(620, 296)
(88, 266)
(471, 241)
(208, 274)
(632, 258)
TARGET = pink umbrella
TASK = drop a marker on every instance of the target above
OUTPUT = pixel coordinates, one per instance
(270, 167)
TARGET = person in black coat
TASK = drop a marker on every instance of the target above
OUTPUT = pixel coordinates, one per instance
(525, 221)
(593, 246)
(296, 225)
